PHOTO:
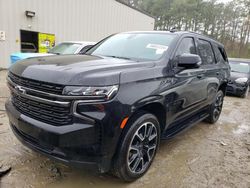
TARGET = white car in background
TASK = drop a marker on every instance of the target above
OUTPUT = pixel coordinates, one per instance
(70, 47)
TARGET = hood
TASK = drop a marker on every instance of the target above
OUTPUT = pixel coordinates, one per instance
(235, 75)
(20, 56)
(76, 69)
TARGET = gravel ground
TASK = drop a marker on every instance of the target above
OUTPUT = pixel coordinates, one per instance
(204, 156)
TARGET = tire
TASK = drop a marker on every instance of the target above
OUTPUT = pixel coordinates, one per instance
(215, 108)
(137, 149)
(246, 93)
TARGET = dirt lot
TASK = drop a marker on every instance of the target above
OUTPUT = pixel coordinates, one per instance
(204, 156)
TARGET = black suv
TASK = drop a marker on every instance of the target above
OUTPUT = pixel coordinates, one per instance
(108, 109)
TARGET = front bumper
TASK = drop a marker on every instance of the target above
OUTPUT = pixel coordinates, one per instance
(236, 89)
(77, 144)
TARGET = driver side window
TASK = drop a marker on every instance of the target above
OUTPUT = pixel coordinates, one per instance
(186, 46)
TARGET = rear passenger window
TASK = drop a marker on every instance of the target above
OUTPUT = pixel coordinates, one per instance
(206, 52)
(223, 53)
(186, 46)
(219, 55)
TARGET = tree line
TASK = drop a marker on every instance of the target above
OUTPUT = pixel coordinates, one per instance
(228, 22)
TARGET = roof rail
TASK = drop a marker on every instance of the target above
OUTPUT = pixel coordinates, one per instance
(173, 29)
(203, 35)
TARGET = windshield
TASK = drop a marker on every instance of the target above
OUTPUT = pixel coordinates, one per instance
(239, 67)
(65, 48)
(134, 46)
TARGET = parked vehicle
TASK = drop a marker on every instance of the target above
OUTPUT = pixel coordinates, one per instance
(242, 60)
(109, 109)
(71, 47)
(240, 77)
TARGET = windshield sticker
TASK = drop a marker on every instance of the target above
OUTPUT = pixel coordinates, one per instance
(159, 49)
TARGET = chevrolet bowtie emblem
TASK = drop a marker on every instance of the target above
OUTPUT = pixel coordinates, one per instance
(20, 89)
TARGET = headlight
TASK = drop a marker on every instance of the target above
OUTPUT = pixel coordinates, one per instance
(241, 80)
(103, 92)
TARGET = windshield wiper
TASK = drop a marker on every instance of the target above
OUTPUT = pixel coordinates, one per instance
(118, 57)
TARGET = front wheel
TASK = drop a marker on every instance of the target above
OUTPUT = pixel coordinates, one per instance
(215, 108)
(138, 147)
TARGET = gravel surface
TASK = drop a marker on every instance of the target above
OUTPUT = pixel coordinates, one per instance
(204, 156)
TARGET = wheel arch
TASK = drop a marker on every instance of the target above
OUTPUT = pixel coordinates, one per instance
(223, 87)
(158, 110)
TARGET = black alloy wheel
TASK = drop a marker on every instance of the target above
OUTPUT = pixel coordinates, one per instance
(215, 109)
(138, 146)
(142, 148)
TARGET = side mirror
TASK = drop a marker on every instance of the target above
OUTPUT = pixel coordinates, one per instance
(189, 61)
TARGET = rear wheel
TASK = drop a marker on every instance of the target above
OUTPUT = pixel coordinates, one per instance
(215, 108)
(138, 147)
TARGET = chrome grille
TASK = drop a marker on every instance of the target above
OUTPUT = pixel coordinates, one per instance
(28, 97)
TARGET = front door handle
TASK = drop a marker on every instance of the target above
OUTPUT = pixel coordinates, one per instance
(200, 76)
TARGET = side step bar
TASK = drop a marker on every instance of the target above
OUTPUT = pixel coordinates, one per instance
(183, 125)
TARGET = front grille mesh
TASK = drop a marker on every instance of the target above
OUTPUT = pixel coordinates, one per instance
(230, 89)
(44, 112)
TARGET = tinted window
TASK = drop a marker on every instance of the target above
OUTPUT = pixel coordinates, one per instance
(206, 52)
(138, 46)
(223, 53)
(186, 46)
(219, 56)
